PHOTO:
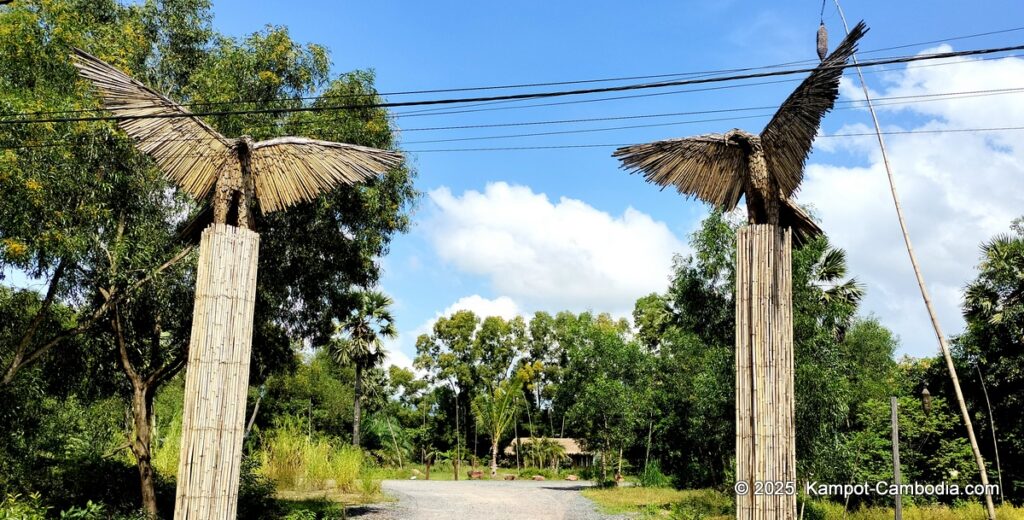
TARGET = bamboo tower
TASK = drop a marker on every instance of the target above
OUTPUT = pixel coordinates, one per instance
(276, 173)
(766, 170)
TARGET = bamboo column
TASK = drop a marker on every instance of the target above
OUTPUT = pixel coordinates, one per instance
(765, 432)
(217, 375)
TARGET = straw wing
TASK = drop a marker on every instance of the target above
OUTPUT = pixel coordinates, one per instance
(706, 167)
(289, 170)
(187, 150)
(788, 137)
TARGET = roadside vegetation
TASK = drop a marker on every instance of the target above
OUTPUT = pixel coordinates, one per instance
(91, 355)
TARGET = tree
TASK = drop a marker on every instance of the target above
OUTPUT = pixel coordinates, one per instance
(994, 343)
(359, 342)
(605, 376)
(63, 207)
(495, 409)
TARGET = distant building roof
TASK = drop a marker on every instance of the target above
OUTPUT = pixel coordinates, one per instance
(572, 447)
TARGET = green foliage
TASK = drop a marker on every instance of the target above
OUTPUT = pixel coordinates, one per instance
(17, 507)
(653, 477)
(295, 460)
(991, 353)
(256, 493)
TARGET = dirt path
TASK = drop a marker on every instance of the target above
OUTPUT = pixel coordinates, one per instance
(437, 499)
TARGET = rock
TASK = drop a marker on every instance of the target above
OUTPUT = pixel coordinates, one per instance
(412, 477)
(509, 477)
(539, 477)
(573, 478)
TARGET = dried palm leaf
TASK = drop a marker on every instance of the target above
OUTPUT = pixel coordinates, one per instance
(706, 167)
(289, 170)
(788, 137)
(185, 148)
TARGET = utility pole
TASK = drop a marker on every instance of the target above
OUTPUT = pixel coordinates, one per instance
(896, 456)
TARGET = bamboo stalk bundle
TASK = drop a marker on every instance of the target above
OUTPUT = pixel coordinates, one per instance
(765, 427)
(217, 375)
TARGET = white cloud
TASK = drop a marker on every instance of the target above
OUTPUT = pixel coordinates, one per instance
(406, 342)
(956, 189)
(552, 255)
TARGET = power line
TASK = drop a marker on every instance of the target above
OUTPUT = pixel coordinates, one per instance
(620, 88)
(616, 145)
(489, 107)
(534, 84)
(602, 145)
(851, 105)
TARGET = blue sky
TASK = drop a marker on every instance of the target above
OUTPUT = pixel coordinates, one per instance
(510, 232)
(513, 230)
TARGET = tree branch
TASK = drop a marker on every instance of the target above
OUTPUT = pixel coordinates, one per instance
(112, 297)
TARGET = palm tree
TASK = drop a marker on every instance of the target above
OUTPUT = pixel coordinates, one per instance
(828, 274)
(495, 410)
(359, 342)
(943, 345)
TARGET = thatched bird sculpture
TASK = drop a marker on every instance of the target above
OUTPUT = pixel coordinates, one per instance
(766, 169)
(277, 173)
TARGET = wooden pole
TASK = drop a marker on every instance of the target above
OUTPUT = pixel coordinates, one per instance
(217, 375)
(943, 346)
(765, 437)
(894, 404)
(992, 425)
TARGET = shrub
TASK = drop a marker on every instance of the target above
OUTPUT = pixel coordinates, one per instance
(653, 477)
(294, 460)
(699, 503)
(18, 507)
(256, 493)
(530, 472)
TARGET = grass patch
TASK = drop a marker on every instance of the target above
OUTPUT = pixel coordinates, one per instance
(653, 502)
(707, 504)
(297, 462)
(967, 511)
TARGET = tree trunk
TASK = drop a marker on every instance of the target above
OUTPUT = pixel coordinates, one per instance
(494, 457)
(394, 440)
(458, 455)
(142, 411)
(964, 413)
(647, 454)
(515, 426)
(356, 405)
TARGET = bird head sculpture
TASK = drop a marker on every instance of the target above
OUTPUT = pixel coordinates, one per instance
(277, 173)
(767, 168)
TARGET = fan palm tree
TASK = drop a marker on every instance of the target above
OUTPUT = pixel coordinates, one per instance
(277, 173)
(766, 169)
(359, 342)
(828, 275)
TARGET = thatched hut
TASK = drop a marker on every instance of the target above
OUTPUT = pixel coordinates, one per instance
(577, 455)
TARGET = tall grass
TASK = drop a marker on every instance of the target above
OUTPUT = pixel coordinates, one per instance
(967, 511)
(296, 461)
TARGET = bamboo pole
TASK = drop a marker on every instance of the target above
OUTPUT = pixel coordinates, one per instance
(943, 346)
(765, 439)
(217, 375)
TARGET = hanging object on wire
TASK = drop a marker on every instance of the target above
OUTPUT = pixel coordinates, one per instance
(822, 41)
(822, 34)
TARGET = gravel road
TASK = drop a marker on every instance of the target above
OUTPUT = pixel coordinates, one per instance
(467, 499)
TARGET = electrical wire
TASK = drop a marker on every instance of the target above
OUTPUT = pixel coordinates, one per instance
(849, 105)
(537, 84)
(883, 61)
